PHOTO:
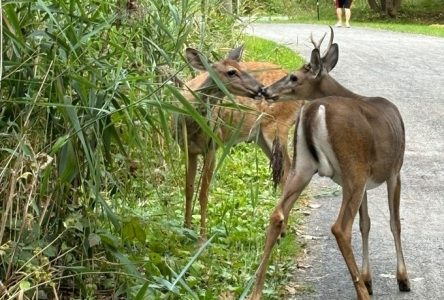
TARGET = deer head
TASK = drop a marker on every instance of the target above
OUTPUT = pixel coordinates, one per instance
(312, 80)
(230, 73)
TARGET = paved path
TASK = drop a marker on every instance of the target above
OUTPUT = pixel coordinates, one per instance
(409, 70)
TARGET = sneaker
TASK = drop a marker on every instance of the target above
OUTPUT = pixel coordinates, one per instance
(347, 25)
(338, 24)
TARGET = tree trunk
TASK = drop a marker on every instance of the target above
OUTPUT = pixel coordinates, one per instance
(392, 7)
(396, 5)
(374, 5)
(389, 7)
(384, 5)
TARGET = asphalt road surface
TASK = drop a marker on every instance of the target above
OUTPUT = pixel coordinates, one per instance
(408, 70)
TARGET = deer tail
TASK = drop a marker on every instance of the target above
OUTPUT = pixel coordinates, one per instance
(276, 162)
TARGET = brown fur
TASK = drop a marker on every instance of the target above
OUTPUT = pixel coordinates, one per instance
(363, 145)
(257, 121)
(276, 162)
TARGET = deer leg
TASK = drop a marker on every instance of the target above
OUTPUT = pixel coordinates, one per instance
(191, 168)
(207, 175)
(364, 224)
(265, 142)
(294, 185)
(342, 230)
(394, 195)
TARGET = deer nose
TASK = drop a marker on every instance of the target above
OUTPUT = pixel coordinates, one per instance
(260, 93)
(264, 92)
(268, 95)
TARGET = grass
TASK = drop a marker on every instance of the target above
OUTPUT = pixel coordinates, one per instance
(240, 202)
(421, 17)
(258, 49)
(431, 30)
(91, 183)
(407, 28)
(241, 199)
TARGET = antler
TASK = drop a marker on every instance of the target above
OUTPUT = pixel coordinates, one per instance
(318, 45)
(330, 42)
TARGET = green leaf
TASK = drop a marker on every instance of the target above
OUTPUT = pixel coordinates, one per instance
(109, 240)
(74, 221)
(67, 163)
(75, 122)
(109, 212)
(61, 141)
(25, 285)
(191, 110)
(93, 240)
(127, 264)
(27, 150)
(133, 230)
(192, 260)
(141, 294)
(128, 231)
(50, 251)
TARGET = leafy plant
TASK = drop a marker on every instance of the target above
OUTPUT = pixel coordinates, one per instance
(424, 16)
(90, 177)
(82, 92)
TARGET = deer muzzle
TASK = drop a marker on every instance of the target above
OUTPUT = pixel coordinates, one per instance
(269, 95)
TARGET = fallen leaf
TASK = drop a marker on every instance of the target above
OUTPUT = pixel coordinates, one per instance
(290, 290)
(314, 206)
(226, 296)
(304, 267)
(387, 276)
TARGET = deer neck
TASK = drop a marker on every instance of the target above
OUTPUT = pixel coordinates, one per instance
(330, 87)
(209, 94)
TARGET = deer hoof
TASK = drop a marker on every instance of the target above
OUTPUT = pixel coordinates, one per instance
(369, 286)
(404, 285)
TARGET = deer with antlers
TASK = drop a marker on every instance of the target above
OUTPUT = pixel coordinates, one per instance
(258, 121)
(358, 142)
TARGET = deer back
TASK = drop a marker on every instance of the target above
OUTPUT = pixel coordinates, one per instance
(343, 130)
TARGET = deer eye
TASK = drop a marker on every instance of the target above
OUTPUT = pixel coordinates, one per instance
(293, 78)
(231, 73)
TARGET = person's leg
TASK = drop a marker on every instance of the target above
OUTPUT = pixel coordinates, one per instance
(347, 8)
(339, 16)
(347, 17)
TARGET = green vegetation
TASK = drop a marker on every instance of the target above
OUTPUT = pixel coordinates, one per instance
(258, 49)
(90, 177)
(409, 28)
(423, 16)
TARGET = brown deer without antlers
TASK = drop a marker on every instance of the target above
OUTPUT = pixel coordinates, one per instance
(260, 122)
(358, 142)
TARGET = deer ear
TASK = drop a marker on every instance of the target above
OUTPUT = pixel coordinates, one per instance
(316, 62)
(194, 58)
(331, 58)
(236, 53)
